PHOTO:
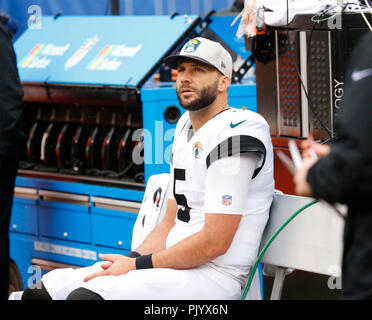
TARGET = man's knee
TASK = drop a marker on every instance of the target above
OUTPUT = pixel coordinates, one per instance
(83, 294)
(37, 293)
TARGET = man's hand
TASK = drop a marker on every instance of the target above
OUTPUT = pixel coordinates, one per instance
(116, 265)
(302, 187)
(310, 147)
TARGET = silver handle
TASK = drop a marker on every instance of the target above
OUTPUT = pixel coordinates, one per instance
(27, 193)
(117, 204)
(63, 196)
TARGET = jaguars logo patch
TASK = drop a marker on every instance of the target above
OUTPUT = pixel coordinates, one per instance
(197, 148)
(192, 45)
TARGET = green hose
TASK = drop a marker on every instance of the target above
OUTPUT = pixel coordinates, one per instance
(268, 244)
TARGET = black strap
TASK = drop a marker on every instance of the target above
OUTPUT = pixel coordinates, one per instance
(237, 145)
(133, 254)
(144, 262)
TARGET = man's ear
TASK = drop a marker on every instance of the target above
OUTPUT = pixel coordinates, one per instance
(225, 82)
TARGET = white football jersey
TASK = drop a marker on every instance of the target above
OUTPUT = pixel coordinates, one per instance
(228, 134)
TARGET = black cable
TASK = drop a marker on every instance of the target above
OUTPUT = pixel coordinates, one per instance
(326, 141)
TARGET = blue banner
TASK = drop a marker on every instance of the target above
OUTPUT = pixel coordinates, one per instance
(108, 50)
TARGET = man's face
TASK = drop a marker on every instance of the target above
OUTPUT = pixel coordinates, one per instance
(197, 84)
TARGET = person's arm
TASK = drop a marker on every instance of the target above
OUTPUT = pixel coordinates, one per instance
(201, 247)
(118, 264)
(342, 176)
(212, 241)
(11, 93)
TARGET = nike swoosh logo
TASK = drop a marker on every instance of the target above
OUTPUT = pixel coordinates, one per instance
(233, 125)
(361, 74)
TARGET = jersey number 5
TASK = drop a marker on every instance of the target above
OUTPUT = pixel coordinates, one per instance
(182, 214)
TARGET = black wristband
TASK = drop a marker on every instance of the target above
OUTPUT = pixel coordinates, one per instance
(133, 254)
(144, 262)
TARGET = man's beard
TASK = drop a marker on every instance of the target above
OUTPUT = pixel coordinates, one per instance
(207, 95)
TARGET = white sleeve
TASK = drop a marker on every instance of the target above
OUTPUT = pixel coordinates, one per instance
(227, 183)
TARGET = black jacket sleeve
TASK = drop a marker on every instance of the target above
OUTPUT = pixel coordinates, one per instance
(345, 175)
(11, 94)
